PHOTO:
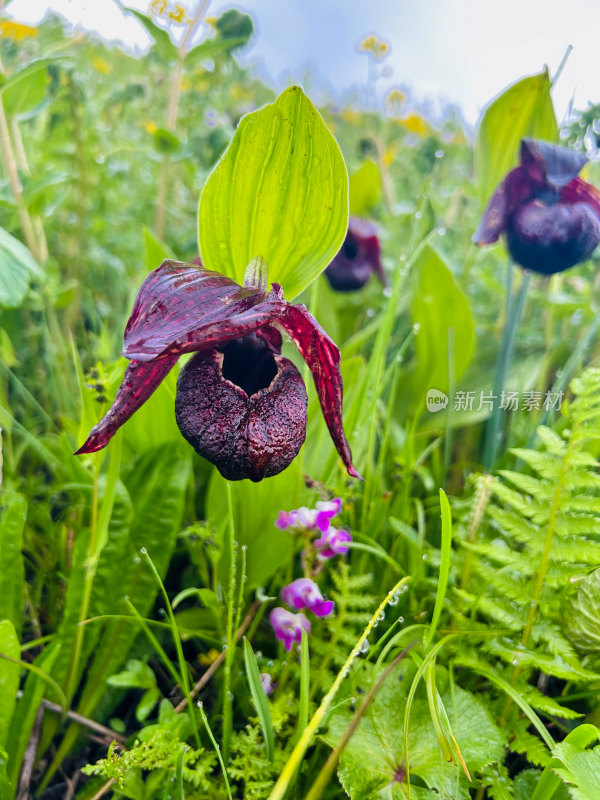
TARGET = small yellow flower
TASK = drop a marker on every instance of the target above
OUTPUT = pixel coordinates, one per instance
(179, 15)
(415, 124)
(206, 659)
(185, 83)
(158, 7)
(151, 127)
(389, 154)
(377, 48)
(350, 115)
(101, 65)
(394, 100)
(16, 31)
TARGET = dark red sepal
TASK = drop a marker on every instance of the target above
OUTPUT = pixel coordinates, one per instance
(139, 382)
(516, 189)
(323, 359)
(579, 191)
(181, 308)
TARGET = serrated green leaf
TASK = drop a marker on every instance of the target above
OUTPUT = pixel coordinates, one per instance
(280, 191)
(371, 764)
(581, 770)
(522, 110)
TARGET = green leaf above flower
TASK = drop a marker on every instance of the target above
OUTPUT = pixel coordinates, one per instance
(280, 191)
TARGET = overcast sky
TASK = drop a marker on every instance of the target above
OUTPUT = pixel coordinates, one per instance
(459, 51)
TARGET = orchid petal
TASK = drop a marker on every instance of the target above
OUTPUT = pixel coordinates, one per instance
(181, 309)
(551, 163)
(578, 191)
(139, 382)
(323, 359)
(514, 190)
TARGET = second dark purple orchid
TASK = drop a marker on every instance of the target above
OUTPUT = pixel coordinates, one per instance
(239, 403)
(549, 216)
(358, 258)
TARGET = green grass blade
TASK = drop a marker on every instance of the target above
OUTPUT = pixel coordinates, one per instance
(259, 697)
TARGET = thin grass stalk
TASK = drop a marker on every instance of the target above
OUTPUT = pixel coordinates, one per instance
(10, 162)
(172, 112)
(293, 763)
(494, 428)
(185, 681)
(215, 744)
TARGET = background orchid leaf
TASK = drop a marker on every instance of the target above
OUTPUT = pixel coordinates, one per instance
(17, 268)
(280, 192)
(365, 188)
(524, 109)
(444, 325)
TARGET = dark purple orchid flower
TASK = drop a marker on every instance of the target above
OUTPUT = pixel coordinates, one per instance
(239, 403)
(304, 593)
(288, 627)
(357, 258)
(551, 218)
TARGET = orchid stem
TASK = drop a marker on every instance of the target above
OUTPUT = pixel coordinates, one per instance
(494, 431)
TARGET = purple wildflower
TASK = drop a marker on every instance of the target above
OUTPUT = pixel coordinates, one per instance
(333, 542)
(310, 518)
(304, 593)
(287, 626)
(267, 683)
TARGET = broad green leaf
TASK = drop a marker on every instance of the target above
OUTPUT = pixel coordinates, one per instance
(365, 189)
(280, 191)
(25, 88)
(155, 250)
(444, 327)
(522, 110)
(166, 142)
(9, 676)
(136, 675)
(211, 48)
(17, 268)
(268, 547)
(371, 764)
(12, 521)
(163, 44)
